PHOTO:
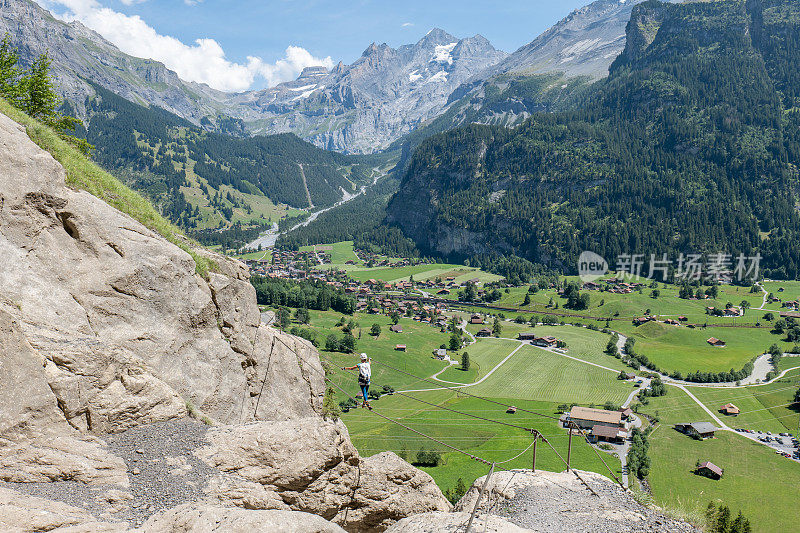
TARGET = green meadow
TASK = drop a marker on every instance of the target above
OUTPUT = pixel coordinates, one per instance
(756, 481)
(679, 348)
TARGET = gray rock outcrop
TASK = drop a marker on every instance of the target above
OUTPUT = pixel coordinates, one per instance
(456, 522)
(565, 502)
(207, 519)
(311, 467)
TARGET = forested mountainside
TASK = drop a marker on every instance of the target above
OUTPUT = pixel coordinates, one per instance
(691, 145)
(204, 180)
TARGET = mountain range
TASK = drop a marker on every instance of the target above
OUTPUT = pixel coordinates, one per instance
(357, 108)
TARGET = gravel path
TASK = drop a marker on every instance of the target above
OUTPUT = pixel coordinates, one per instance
(162, 470)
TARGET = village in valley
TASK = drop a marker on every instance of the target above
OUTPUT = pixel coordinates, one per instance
(679, 388)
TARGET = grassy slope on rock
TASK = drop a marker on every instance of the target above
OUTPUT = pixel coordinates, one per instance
(84, 174)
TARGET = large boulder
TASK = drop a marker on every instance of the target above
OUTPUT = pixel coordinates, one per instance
(23, 513)
(122, 328)
(310, 465)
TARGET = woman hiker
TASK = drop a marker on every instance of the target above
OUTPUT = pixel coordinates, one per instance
(364, 376)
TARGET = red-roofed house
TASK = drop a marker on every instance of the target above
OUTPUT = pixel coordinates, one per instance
(709, 470)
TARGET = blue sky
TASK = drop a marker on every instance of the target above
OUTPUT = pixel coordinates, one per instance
(343, 30)
(243, 43)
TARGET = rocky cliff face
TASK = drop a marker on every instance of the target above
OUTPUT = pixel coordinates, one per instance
(582, 44)
(109, 339)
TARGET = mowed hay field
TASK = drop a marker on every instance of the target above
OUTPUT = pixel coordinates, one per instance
(484, 355)
(536, 374)
(420, 272)
(420, 340)
(340, 252)
(791, 290)
(768, 407)
(678, 348)
(487, 440)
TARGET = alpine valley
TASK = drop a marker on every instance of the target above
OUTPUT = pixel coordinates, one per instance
(444, 287)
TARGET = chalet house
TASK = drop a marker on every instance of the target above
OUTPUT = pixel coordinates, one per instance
(485, 332)
(713, 341)
(627, 412)
(443, 291)
(396, 328)
(608, 434)
(682, 318)
(400, 347)
(732, 311)
(729, 409)
(710, 470)
(588, 418)
(440, 353)
(790, 314)
(698, 430)
(672, 322)
(527, 336)
(476, 319)
(545, 342)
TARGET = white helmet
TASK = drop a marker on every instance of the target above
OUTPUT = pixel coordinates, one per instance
(364, 357)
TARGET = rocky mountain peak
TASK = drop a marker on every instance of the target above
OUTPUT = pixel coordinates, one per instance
(436, 36)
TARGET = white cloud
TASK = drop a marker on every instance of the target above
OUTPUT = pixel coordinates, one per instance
(202, 62)
(289, 67)
(406, 24)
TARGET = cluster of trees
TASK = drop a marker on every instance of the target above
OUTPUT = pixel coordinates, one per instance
(427, 457)
(719, 520)
(638, 460)
(694, 122)
(687, 291)
(455, 493)
(345, 344)
(716, 377)
(302, 294)
(575, 298)
(32, 91)
(657, 388)
(790, 327)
